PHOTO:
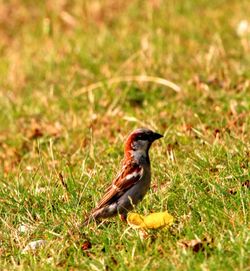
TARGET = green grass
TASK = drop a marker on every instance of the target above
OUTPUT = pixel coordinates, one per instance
(59, 148)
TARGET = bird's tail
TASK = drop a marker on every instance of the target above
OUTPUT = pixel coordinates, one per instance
(98, 214)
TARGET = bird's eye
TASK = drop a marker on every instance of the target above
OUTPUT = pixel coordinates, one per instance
(141, 137)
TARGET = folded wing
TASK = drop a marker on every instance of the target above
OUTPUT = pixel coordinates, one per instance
(130, 175)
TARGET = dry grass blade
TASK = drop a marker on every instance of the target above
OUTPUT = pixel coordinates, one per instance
(132, 78)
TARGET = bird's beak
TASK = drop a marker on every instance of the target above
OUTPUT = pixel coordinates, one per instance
(156, 136)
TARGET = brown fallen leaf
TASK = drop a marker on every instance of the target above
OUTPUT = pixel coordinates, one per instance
(195, 245)
(115, 262)
(213, 170)
(35, 132)
(232, 191)
(61, 178)
(9, 157)
(38, 129)
(187, 128)
(54, 129)
(217, 133)
(86, 245)
(246, 184)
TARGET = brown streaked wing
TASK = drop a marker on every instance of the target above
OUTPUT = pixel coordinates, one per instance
(133, 170)
(121, 183)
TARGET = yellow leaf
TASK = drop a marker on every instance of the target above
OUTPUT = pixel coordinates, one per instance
(152, 221)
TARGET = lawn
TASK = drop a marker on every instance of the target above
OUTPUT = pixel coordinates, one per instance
(75, 78)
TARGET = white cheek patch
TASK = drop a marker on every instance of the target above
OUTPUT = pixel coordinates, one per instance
(142, 145)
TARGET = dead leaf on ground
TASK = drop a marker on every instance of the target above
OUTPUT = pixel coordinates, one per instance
(232, 191)
(35, 132)
(86, 245)
(38, 129)
(217, 133)
(213, 170)
(246, 184)
(187, 128)
(104, 12)
(115, 262)
(61, 178)
(195, 245)
(9, 157)
(236, 121)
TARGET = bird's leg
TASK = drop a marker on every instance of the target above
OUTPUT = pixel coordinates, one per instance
(123, 217)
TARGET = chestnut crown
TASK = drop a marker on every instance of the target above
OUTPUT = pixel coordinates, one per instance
(141, 140)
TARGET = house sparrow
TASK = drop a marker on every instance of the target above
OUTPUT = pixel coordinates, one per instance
(133, 181)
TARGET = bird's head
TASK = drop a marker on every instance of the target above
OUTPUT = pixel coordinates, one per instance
(139, 141)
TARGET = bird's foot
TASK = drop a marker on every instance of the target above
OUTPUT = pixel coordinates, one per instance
(123, 217)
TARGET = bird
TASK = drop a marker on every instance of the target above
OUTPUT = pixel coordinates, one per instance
(133, 180)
